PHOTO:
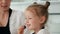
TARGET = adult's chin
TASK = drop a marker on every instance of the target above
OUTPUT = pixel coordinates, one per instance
(5, 9)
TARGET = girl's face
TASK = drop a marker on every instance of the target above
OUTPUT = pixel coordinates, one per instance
(32, 21)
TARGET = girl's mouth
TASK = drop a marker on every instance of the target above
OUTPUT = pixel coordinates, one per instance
(28, 25)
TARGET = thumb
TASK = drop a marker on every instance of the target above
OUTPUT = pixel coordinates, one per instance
(21, 30)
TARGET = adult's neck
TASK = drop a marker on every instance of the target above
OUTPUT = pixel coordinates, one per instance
(4, 11)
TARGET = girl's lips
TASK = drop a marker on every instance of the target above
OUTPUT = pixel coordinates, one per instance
(28, 25)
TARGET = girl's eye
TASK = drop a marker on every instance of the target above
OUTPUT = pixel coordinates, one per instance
(30, 18)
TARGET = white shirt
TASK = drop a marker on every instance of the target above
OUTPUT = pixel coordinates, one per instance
(43, 31)
(16, 20)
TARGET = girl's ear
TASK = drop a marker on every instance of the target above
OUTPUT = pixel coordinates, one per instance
(42, 19)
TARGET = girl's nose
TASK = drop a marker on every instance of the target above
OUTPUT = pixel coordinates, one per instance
(27, 21)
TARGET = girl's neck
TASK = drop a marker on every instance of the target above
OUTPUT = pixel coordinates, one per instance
(37, 30)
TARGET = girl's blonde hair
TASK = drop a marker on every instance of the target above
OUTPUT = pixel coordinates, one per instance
(40, 10)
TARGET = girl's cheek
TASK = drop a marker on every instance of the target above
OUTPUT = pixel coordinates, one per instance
(31, 21)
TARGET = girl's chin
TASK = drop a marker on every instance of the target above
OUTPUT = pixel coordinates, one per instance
(30, 28)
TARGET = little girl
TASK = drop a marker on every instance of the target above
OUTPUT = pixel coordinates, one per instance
(36, 18)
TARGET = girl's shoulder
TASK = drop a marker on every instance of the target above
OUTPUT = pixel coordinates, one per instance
(43, 31)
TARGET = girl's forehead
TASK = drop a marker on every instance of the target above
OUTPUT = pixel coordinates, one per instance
(30, 13)
(34, 10)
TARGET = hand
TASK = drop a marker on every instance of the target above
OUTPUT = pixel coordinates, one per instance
(21, 30)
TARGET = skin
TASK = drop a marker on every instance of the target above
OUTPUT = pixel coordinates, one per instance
(33, 22)
(4, 5)
(4, 9)
(21, 30)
